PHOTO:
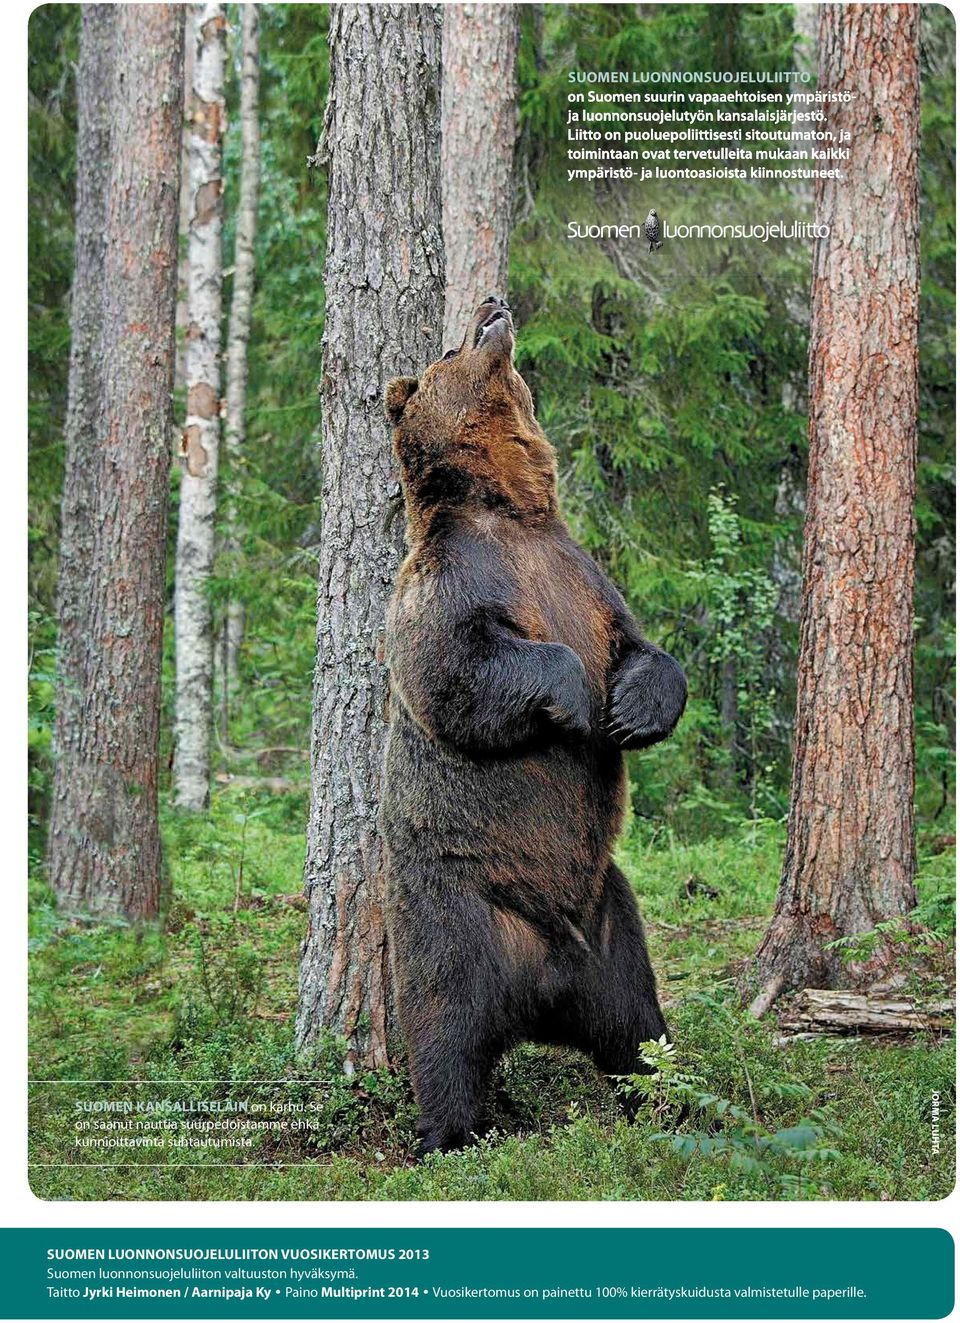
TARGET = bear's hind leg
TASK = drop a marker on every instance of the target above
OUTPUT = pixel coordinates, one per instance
(614, 996)
(449, 998)
(451, 1062)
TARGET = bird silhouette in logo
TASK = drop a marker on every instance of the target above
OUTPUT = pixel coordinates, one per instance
(651, 228)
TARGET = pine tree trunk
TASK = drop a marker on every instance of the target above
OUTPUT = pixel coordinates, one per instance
(105, 856)
(238, 337)
(384, 309)
(479, 136)
(850, 848)
(200, 441)
(94, 87)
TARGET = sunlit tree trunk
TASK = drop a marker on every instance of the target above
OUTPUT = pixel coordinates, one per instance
(104, 856)
(238, 335)
(200, 442)
(384, 309)
(850, 849)
(479, 136)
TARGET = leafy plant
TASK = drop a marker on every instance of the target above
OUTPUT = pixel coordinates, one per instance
(733, 1132)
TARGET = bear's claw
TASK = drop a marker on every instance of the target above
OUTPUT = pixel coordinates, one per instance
(646, 700)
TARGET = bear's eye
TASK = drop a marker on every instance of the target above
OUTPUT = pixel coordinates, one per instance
(451, 353)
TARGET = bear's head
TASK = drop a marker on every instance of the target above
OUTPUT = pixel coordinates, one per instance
(465, 434)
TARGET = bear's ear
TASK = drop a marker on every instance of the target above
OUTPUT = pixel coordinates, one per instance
(398, 393)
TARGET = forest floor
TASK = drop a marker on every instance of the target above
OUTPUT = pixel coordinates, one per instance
(207, 1007)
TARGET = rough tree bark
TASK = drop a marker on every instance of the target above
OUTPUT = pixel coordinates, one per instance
(384, 310)
(850, 848)
(238, 335)
(94, 87)
(200, 440)
(105, 856)
(479, 137)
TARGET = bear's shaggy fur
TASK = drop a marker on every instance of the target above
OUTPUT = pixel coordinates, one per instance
(518, 676)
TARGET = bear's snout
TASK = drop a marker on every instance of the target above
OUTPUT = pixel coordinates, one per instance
(492, 323)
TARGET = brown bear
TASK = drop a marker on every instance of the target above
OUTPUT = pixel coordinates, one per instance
(518, 677)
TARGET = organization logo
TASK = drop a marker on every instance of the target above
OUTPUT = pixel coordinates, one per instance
(654, 230)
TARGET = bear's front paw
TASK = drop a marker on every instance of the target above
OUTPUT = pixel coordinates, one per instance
(646, 700)
(567, 701)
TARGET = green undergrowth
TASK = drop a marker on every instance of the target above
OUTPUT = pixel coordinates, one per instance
(205, 1010)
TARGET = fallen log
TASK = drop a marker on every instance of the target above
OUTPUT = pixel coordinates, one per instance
(827, 1011)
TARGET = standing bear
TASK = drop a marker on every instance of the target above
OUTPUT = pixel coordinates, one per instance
(518, 677)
